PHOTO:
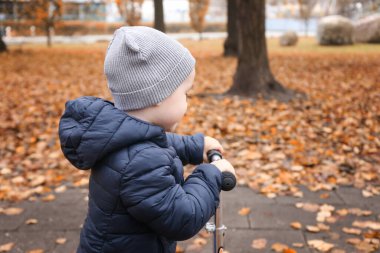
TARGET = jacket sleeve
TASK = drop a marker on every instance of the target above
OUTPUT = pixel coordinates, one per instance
(189, 148)
(152, 196)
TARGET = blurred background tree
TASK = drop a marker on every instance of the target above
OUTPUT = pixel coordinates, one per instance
(197, 12)
(305, 8)
(3, 46)
(231, 42)
(159, 21)
(43, 13)
(130, 10)
(253, 76)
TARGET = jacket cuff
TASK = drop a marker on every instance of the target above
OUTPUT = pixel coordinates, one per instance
(212, 176)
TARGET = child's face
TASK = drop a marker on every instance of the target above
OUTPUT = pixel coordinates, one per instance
(172, 109)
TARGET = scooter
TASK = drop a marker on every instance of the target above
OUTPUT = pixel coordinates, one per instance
(217, 227)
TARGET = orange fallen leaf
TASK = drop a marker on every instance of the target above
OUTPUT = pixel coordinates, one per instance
(179, 249)
(48, 198)
(279, 247)
(296, 225)
(338, 251)
(6, 247)
(352, 231)
(367, 224)
(324, 195)
(313, 229)
(31, 221)
(342, 212)
(353, 241)
(11, 211)
(60, 189)
(289, 250)
(36, 251)
(200, 241)
(323, 227)
(366, 247)
(244, 211)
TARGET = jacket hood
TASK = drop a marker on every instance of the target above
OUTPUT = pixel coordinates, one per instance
(91, 128)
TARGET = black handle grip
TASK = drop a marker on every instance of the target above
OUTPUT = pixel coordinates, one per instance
(228, 179)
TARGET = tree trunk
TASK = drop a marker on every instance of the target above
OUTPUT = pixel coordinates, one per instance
(159, 22)
(3, 46)
(48, 35)
(253, 76)
(231, 43)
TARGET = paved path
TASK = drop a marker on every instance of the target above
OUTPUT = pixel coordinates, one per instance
(268, 219)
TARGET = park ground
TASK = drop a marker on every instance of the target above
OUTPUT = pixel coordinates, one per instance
(308, 170)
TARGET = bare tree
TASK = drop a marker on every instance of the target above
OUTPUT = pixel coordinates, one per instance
(306, 8)
(44, 13)
(159, 22)
(253, 76)
(198, 11)
(130, 10)
(231, 42)
(3, 46)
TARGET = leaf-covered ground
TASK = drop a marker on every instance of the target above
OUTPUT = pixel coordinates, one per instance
(330, 139)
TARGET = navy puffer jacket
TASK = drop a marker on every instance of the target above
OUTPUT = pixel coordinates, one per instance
(138, 199)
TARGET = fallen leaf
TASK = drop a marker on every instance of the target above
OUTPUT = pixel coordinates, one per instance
(320, 245)
(367, 224)
(372, 234)
(365, 247)
(334, 236)
(179, 249)
(259, 243)
(352, 231)
(338, 251)
(296, 225)
(359, 212)
(61, 240)
(324, 195)
(81, 182)
(200, 241)
(48, 198)
(289, 250)
(6, 247)
(342, 212)
(367, 194)
(60, 189)
(244, 211)
(323, 227)
(298, 245)
(36, 251)
(31, 221)
(11, 211)
(313, 229)
(279, 247)
(309, 207)
(353, 241)
(37, 180)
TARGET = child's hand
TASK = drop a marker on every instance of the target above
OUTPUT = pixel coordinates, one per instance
(211, 143)
(224, 165)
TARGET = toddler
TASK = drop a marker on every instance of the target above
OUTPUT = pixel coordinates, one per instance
(139, 201)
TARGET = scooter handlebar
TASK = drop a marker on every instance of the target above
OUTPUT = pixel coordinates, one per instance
(228, 179)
